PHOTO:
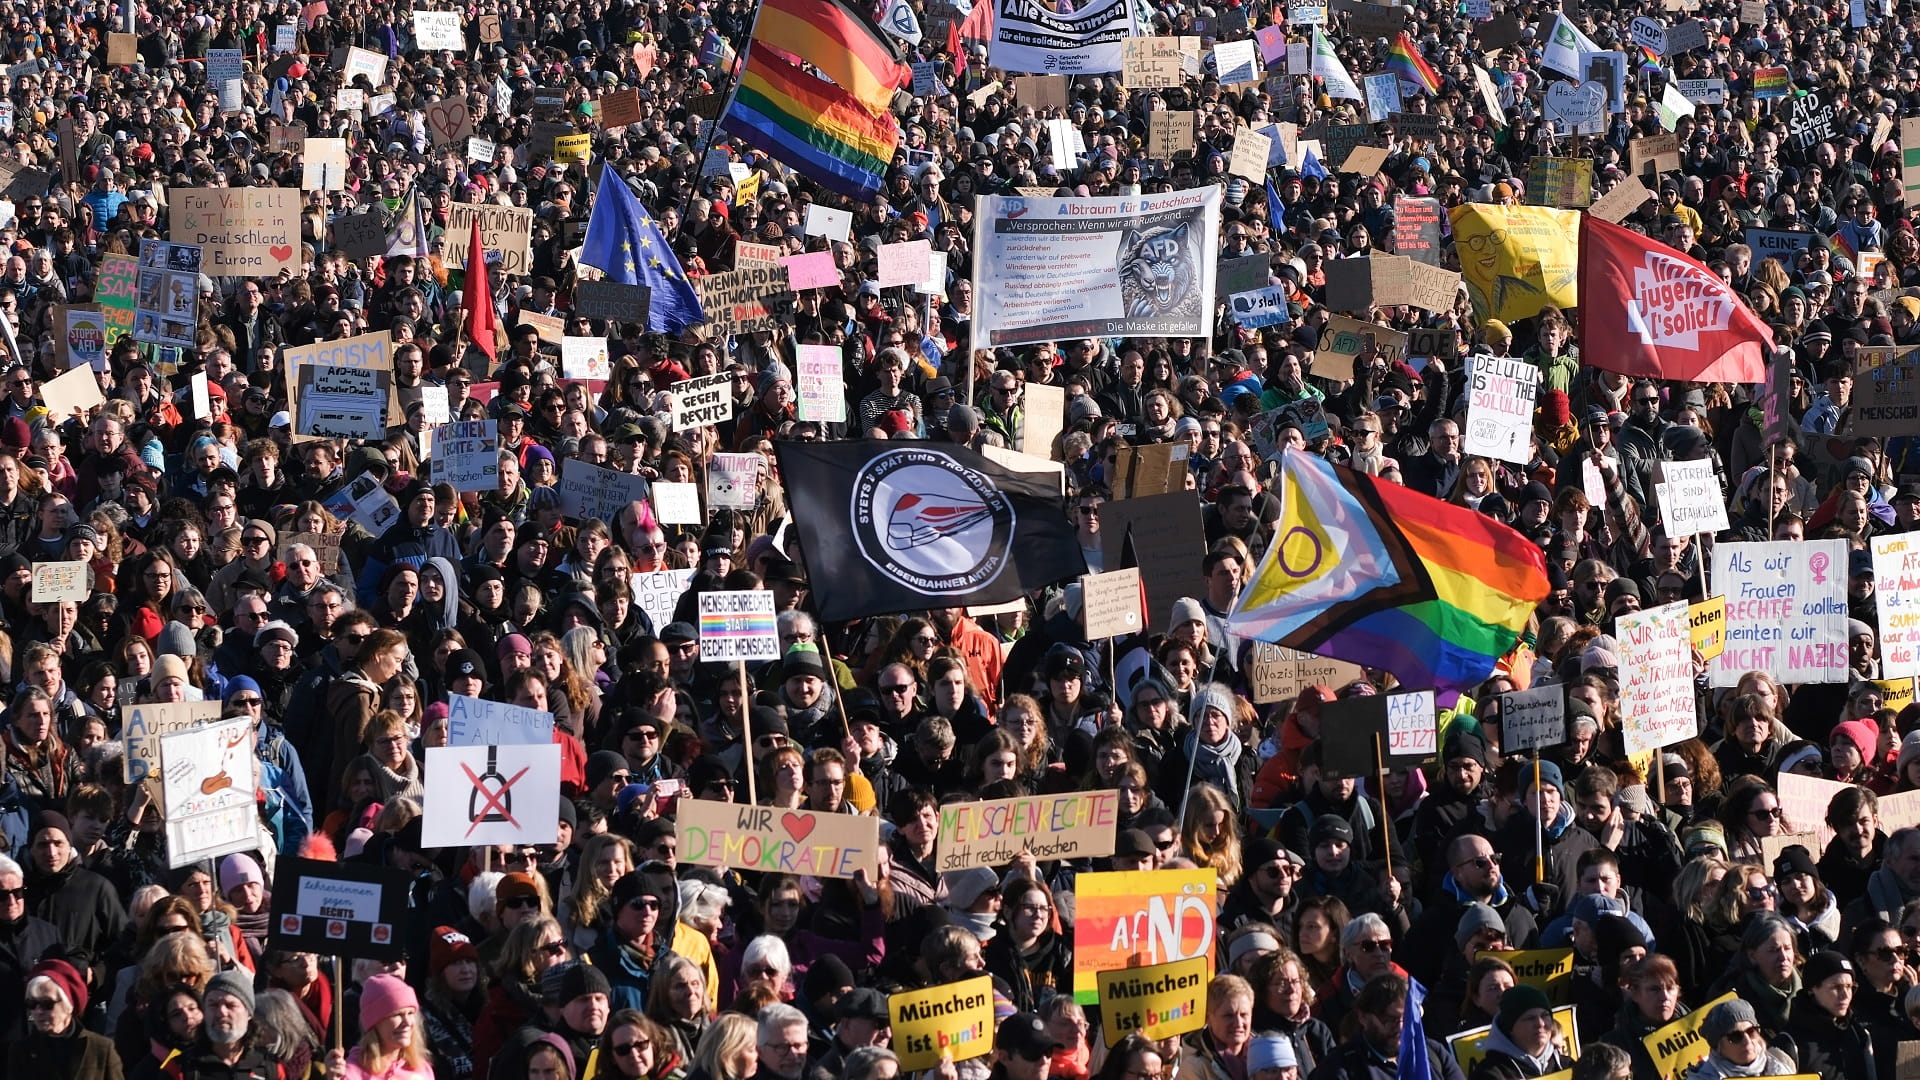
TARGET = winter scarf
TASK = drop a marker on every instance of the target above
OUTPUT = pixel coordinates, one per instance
(1218, 764)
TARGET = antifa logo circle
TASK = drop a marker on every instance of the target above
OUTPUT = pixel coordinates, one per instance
(930, 523)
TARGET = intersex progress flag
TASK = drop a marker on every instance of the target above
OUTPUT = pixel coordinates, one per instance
(1372, 573)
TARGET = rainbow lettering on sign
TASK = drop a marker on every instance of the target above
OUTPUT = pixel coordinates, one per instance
(1770, 82)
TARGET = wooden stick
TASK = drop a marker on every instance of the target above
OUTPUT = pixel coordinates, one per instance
(339, 1005)
(1386, 826)
(746, 734)
(1539, 826)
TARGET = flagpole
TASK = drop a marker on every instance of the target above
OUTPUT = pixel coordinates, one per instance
(713, 128)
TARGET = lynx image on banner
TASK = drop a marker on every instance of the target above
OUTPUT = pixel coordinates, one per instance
(1133, 266)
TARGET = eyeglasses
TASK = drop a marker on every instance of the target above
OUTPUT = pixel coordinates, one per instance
(14, 894)
(634, 1047)
(1478, 862)
(554, 948)
(1765, 811)
(1089, 511)
(527, 902)
(900, 688)
(644, 903)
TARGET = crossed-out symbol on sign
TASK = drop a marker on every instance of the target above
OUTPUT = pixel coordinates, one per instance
(496, 801)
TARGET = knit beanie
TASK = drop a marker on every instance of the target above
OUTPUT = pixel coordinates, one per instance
(1518, 1002)
(67, 978)
(381, 997)
(1725, 1017)
(1210, 696)
(239, 984)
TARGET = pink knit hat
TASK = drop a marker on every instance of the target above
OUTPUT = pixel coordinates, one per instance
(381, 997)
(1864, 734)
(237, 870)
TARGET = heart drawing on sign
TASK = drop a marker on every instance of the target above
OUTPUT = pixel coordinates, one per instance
(798, 826)
(448, 121)
(1576, 106)
(281, 252)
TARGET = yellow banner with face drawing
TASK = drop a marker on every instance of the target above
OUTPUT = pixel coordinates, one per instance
(1517, 259)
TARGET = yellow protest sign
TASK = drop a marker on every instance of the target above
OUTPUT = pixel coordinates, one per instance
(1470, 1046)
(1517, 259)
(1548, 970)
(1708, 620)
(950, 1019)
(572, 149)
(1159, 1002)
(1895, 694)
(1679, 1046)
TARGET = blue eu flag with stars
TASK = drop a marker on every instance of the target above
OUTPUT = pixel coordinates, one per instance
(625, 243)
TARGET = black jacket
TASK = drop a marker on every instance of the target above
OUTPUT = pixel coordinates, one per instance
(22, 945)
(1835, 1048)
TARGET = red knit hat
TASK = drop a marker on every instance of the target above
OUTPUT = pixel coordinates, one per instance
(447, 946)
(67, 978)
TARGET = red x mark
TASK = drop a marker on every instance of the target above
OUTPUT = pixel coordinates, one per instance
(495, 801)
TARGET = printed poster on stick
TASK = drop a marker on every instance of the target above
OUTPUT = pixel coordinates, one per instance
(1140, 918)
(1786, 610)
(738, 625)
(207, 790)
(492, 795)
(1160, 1001)
(337, 908)
(1656, 677)
(952, 1020)
(1072, 825)
(773, 840)
(1085, 39)
(1061, 268)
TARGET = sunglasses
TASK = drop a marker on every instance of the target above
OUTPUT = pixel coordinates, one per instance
(634, 1047)
(643, 903)
(528, 902)
(556, 948)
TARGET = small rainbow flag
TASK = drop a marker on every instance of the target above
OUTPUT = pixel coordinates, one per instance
(1405, 61)
(1375, 574)
(1771, 82)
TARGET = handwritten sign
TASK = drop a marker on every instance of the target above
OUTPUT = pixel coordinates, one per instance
(1411, 731)
(436, 30)
(241, 232)
(1896, 578)
(477, 722)
(1073, 825)
(1786, 610)
(1656, 677)
(705, 400)
(1690, 498)
(1500, 408)
(54, 582)
(733, 481)
(657, 592)
(1110, 603)
(953, 1020)
(904, 264)
(1160, 1002)
(505, 229)
(466, 455)
(1278, 674)
(738, 625)
(1532, 719)
(589, 491)
(773, 840)
(1803, 805)
(207, 789)
(677, 504)
(141, 727)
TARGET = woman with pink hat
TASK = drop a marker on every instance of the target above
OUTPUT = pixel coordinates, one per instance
(394, 1046)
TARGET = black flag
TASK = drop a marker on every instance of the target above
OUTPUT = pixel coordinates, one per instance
(890, 526)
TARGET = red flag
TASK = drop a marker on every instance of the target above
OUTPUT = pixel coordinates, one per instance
(480, 320)
(1648, 311)
(954, 50)
(978, 25)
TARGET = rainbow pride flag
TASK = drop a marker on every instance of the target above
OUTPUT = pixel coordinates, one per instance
(812, 126)
(1405, 61)
(1375, 574)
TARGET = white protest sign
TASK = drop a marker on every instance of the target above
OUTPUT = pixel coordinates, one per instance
(364, 502)
(738, 625)
(1411, 730)
(705, 400)
(1532, 719)
(1500, 408)
(584, 358)
(467, 454)
(822, 386)
(1690, 498)
(1656, 677)
(480, 795)
(589, 491)
(477, 722)
(828, 222)
(1786, 610)
(141, 727)
(1896, 587)
(55, 582)
(677, 504)
(437, 30)
(207, 791)
(657, 592)
(733, 481)
(906, 263)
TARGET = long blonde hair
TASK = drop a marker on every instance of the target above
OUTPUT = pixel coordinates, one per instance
(724, 1039)
(588, 892)
(376, 1059)
(1222, 854)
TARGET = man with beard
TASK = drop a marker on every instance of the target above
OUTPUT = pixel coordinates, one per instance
(1451, 808)
(1265, 887)
(225, 1049)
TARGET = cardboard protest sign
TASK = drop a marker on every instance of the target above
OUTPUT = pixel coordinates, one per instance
(478, 722)
(1140, 918)
(1040, 91)
(738, 625)
(343, 402)
(505, 229)
(492, 795)
(736, 301)
(1772, 846)
(326, 548)
(1110, 603)
(1043, 417)
(770, 839)
(141, 727)
(1277, 674)
(952, 1020)
(1501, 393)
(338, 908)
(1896, 580)
(1886, 391)
(1803, 804)
(1655, 154)
(241, 232)
(123, 49)
(733, 481)
(1532, 719)
(1707, 626)
(1358, 734)
(589, 491)
(657, 592)
(207, 789)
(1160, 1002)
(323, 164)
(55, 582)
(1561, 182)
(1656, 677)
(993, 833)
(1346, 338)
(75, 392)
(1679, 1046)
(1249, 158)
(704, 400)
(677, 504)
(1549, 971)
(1786, 610)
(1626, 197)
(1163, 536)
(1153, 469)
